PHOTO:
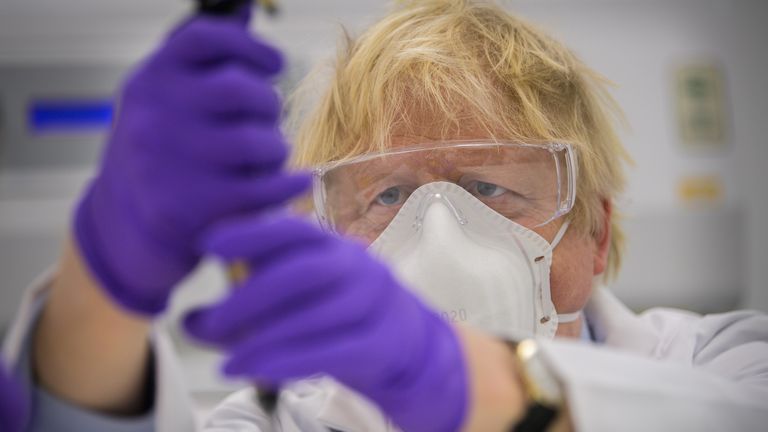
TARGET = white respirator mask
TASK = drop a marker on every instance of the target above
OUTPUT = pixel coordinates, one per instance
(471, 264)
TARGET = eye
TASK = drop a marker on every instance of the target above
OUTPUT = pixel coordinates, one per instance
(488, 190)
(390, 196)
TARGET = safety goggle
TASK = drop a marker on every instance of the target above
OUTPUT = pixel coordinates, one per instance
(530, 184)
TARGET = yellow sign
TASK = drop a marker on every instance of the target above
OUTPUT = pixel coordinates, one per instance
(707, 189)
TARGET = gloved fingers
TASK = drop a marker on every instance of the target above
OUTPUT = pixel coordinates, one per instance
(174, 135)
(240, 147)
(257, 239)
(210, 41)
(184, 200)
(244, 13)
(13, 403)
(288, 360)
(320, 313)
(174, 187)
(231, 91)
(378, 349)
(366, 309)
(220, 196)
(318, 341)
(293, 283)
(259, 193)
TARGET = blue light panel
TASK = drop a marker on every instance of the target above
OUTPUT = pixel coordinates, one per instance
(69, 115)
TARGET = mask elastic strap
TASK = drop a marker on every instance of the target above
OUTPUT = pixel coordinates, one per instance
(568, 317)
(559, 236)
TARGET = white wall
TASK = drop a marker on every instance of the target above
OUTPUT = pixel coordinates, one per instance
(637, 44)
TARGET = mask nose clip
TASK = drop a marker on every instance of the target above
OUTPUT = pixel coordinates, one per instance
(443, 199)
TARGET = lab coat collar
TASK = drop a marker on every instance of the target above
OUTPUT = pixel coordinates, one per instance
(613, 324)
(26, 314)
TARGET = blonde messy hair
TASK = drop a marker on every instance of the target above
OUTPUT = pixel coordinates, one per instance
(453, 62)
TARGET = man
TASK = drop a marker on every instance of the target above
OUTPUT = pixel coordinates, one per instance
(467, 150)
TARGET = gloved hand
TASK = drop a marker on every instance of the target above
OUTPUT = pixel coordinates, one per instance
(196, 141)
(13, 404)
(319, 304)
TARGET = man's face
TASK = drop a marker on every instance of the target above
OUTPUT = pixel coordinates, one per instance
(576, 259)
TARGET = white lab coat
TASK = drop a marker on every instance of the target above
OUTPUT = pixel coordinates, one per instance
(663, 370)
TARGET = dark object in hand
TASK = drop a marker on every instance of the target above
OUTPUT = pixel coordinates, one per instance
(220, 7)
(227, 7)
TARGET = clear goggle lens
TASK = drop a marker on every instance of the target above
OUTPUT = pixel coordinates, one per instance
(530, 184)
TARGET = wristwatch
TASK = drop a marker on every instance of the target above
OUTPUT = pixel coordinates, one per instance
(545, 395)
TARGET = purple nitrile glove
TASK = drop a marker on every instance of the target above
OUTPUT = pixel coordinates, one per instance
(196, 141)
(13, 404)
(319, 304)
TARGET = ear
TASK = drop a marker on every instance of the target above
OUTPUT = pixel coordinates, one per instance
(603, 240)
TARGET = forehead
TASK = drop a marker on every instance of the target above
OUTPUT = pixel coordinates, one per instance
(423, 130)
